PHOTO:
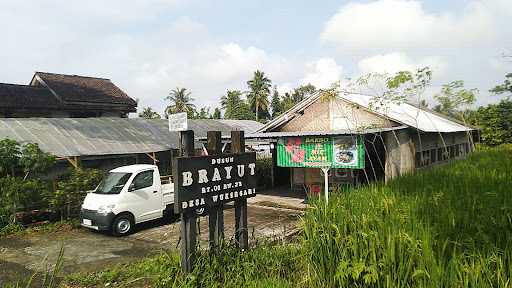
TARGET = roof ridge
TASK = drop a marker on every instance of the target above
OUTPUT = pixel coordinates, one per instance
(72, 75)
(23, 85)
(312, 99)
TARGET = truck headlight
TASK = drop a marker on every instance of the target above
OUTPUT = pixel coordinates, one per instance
(105, 209)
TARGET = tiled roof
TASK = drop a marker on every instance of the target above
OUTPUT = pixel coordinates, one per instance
(73, 88)
(24, 96)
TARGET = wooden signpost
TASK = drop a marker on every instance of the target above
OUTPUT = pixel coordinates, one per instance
(188, 218)
(241, 232)
(210, 182)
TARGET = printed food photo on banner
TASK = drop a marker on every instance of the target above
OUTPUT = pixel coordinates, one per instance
(345, 150)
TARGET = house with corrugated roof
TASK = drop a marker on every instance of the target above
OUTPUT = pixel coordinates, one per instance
(108, 143)
(58, 95)
(358, 139)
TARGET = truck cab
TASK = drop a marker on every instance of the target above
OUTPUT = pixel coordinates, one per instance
(127, 196)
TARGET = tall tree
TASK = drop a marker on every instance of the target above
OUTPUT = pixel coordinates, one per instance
(302, 92)
(230, 102)
(506, 87)
(494, 121)
(235, 107)
(180, 101)
(298, 94)
(148, 113)
(203, 113)
(287, 102)
(453, 97)
(216, 113)
(259, 90)
(275, 104)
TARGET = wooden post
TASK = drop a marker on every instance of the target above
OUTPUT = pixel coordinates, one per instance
(188, 219)
(273, 151)
(216, 213)
(241, 231)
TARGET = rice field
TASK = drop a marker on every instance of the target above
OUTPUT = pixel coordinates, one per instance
(445, 227)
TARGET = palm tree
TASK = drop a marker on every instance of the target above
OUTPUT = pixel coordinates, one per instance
(148, 113)
(180, 101)
(259, 90)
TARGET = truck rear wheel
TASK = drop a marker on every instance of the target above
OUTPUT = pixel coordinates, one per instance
(122, 225)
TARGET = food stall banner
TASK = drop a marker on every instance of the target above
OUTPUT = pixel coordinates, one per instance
(321, 151)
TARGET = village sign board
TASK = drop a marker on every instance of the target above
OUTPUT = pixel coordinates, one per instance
(321, 152)
(205, 181)
(178, 122)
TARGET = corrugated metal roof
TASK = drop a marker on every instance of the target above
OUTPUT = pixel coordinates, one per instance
(275, 135)
(403, 113)
(105, 136)
(248, 126)
(321, 133)
(408, 114)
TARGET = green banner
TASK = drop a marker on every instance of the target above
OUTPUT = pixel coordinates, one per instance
(321, 151)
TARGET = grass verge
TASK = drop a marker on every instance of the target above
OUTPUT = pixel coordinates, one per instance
(264, 266)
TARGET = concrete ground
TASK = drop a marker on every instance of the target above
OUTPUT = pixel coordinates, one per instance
(280, 197)
(87, 250)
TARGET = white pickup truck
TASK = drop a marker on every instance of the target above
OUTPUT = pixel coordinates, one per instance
(128, 195)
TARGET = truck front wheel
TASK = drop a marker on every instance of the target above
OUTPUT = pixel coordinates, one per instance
(122, 225)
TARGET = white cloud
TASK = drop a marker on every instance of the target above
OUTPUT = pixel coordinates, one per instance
(285, 87)
(394, 62)
(230, 62)
(322, 73)
(393, 35)
(406, 25)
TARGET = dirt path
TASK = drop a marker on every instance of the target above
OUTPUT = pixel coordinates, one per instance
(86, 250)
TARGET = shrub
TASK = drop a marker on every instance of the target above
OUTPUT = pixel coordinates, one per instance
(17, 194)
(71, 191)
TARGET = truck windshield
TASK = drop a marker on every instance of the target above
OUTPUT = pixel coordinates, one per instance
(113, 184)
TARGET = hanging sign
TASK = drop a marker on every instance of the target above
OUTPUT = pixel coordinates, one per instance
(178, 122)
(205, 181)
(321, 151)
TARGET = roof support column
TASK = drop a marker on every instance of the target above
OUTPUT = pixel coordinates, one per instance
(74, 161)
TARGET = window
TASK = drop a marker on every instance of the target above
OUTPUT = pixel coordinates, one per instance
(440, 154)
(451, 151)
(113, 183)
(426, 158)
(143, 180)
(418, 159)
(433, 156)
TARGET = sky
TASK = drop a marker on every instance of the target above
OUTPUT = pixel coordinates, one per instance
(149, 47)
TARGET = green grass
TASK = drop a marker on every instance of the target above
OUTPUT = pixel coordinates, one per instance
(445, 227)
(265, 266)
